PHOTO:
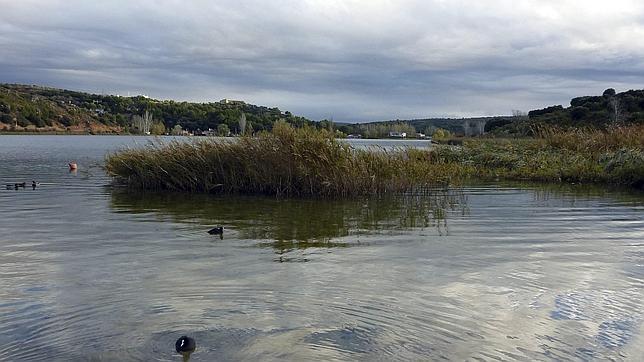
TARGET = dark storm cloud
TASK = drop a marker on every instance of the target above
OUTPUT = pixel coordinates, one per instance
(350, 60)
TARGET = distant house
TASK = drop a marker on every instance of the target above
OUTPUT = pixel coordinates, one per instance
(398, 134)
(210, 132)
(230, 101)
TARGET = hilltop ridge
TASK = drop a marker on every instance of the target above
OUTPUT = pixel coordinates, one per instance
(43, 109)
(594, 112)
(36, 108)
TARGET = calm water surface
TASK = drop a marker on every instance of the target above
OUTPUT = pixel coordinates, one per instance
(510, 272)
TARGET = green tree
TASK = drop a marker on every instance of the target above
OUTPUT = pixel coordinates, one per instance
(157, 129)
(177, 130)
(440, 133)
(223, 130)
(327, 124)
(242, 124)
(579, 113)
(609, 92)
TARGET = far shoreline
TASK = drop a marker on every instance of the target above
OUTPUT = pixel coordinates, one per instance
(49, 133)
(63, 134)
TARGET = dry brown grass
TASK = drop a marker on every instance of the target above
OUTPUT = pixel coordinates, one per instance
(310, 163)
(593, 140)
(285, 162)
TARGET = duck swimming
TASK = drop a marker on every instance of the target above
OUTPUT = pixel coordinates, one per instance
(185, 345)
(217, 230)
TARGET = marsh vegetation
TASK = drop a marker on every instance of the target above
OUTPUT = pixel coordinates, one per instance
(308, 162)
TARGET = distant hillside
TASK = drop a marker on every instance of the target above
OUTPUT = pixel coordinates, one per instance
(24, 108)
(588, 111)
(34, 108)
(626, 107)
(415, 126)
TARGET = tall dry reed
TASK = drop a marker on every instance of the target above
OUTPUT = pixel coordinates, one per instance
(306, 162)
(284, 162)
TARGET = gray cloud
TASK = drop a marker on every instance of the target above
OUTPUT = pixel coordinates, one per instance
(351, 60)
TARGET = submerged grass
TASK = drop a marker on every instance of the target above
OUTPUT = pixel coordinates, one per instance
(310, 163)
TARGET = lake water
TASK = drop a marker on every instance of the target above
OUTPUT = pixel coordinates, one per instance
(487, 272)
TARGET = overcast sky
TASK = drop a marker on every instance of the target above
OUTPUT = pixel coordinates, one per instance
(351, 60)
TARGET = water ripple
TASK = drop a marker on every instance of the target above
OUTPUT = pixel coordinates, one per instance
(488, 272)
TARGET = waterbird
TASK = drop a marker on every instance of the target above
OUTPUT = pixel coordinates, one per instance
(217, 230)
(21, 184)
(185, 344)
(34, 184)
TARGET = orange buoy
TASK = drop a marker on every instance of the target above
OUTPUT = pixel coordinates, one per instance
(73, 166)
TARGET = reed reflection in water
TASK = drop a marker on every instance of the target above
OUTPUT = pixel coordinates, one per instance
(301, 223)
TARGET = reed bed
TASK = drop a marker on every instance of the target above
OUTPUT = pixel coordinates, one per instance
(305, 162)
(592, 140)
(284, 162)
(611, 156)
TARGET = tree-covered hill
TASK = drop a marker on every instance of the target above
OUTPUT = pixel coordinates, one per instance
(427, 126)
(610, 108)
(35, 108)
(24, 107)
(596, 112)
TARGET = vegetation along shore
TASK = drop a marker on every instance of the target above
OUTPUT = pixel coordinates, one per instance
(36, 109)
(597, 139)
(307, 162)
